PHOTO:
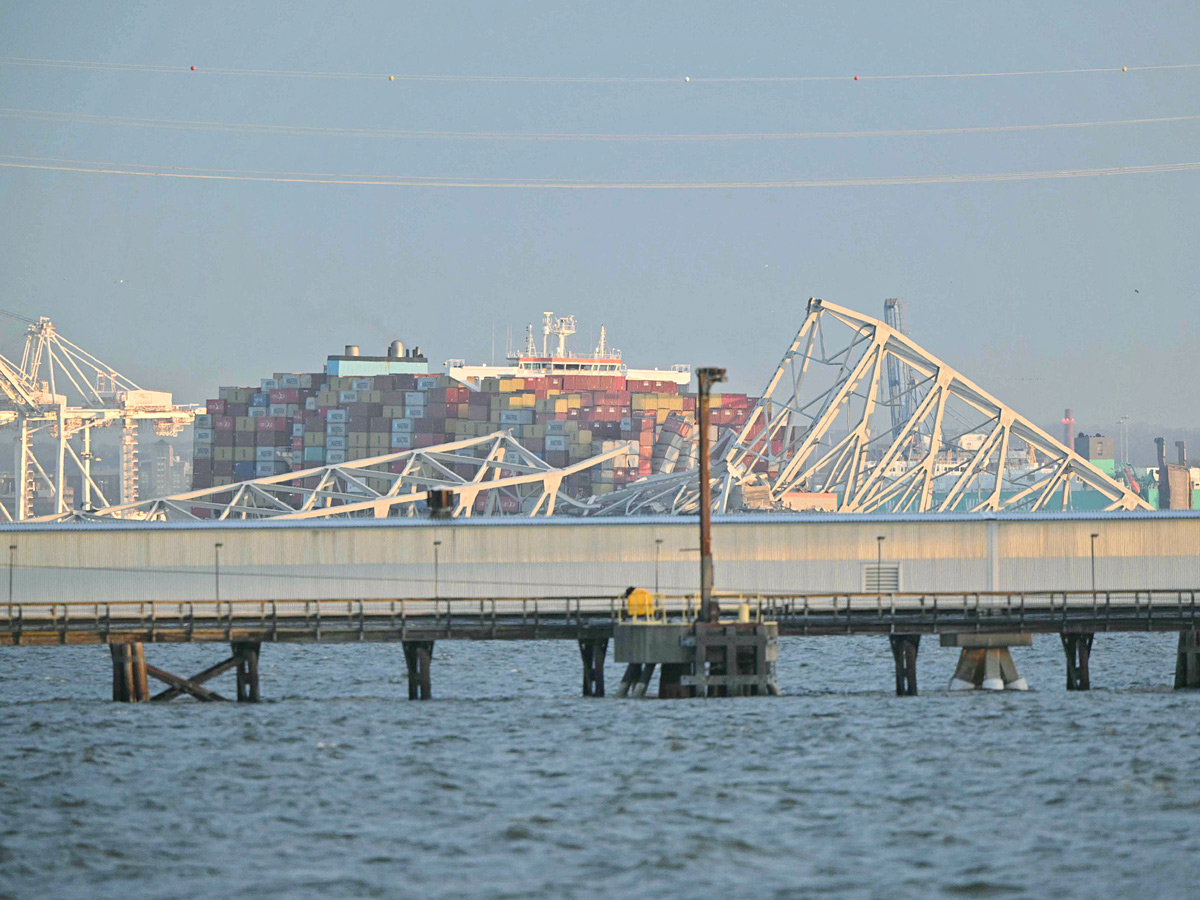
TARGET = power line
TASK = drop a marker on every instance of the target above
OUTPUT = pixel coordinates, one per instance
(60, 117)
(97, 65)
(99, 168)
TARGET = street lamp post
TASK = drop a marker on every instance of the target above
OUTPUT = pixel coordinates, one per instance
(1094, 536)
(657, 553)
(879, 568)
(217, 570)
(436, 547)
(12, 559)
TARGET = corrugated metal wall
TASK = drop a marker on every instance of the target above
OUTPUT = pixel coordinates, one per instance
(364, 559)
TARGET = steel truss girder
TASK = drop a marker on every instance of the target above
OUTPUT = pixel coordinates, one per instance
(502, 469)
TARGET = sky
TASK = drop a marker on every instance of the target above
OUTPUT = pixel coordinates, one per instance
(1069, 292)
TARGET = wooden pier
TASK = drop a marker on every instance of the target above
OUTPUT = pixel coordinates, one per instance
(244, 626)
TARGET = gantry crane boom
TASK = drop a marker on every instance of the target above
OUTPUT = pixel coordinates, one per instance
(65, 391)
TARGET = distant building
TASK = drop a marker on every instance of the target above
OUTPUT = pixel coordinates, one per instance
(164, 472)
(1095, 446)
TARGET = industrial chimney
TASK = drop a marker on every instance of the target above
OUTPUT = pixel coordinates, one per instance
(1069, 429)
(352, 349)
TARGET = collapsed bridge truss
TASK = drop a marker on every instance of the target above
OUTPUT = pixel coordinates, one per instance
(492, 475)
(832, 421)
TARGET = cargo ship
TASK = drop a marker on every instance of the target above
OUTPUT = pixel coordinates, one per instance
(561, 406)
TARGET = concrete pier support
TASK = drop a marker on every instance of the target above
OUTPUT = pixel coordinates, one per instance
(246, 653)
(707, 659)
(130, 682)
(670, 682)
(985, 662)
(643, 684)
(904, 651)
(418, 655)
(593, 651)
(633, 673)
(1187, 660)
(1078, 648)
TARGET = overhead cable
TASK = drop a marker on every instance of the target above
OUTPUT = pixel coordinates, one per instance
(101, 168)
(196, 69)
(61, 117)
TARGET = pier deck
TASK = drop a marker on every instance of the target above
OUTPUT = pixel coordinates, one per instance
(586, 617)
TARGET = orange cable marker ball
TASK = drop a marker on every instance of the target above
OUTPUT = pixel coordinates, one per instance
(193, 68)
(1124, 68)
(391, 78)
(856, 78)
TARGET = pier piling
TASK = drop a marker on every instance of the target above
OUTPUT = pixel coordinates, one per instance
(130, 682)
(904, 651)
(593, 651)
(418, 655)
(246, 653)
(1078, 648)
(1187, 660)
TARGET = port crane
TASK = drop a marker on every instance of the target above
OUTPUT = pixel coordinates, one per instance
(61, 391)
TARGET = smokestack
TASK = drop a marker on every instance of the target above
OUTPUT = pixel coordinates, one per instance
(352, 349)
(1069, 429)
(1181, 446)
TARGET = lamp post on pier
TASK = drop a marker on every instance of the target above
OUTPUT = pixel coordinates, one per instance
(879, 568)
(706, 378)
(436, 548)
(657, 554)
(217, 571)
(1094, 536)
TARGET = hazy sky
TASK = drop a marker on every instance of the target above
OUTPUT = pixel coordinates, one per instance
(1028, 287)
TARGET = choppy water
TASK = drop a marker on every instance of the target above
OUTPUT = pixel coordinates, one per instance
(509, 785)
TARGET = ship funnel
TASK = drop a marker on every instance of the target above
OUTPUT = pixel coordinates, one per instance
(395, 349)
(352, 349)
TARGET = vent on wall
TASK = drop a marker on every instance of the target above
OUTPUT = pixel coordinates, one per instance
(881, 579)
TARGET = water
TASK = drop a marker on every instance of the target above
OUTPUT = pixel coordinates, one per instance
(509, 785)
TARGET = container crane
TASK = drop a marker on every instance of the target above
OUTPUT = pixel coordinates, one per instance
(63, 391)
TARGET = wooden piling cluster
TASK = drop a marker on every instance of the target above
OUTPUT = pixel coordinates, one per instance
(130, 682)
(131, 675)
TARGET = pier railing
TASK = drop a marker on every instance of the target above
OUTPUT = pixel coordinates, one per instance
(519, 618)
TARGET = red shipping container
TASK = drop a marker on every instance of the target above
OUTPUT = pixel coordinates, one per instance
(237, 409)
(201, 512)
(202, 467)
(359, 424)
(285, 395)
(272, 423)
(223, 423)
(215, 407)
(380, 425)
(298, 443)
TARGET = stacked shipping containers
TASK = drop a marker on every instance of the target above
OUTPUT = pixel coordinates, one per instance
(303, 421)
